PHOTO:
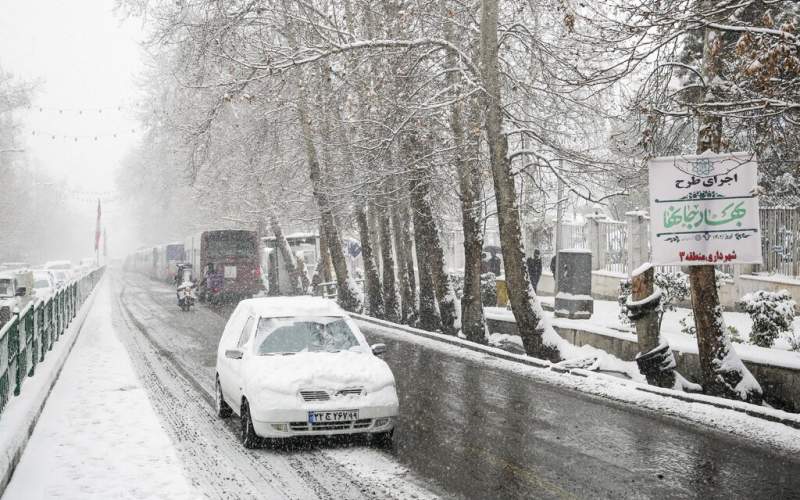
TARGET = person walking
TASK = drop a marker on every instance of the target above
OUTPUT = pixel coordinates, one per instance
(534, 265)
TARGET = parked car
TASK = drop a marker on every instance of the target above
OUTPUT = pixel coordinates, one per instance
(11, 290)
(299, 366)
(44, 283)
(63, 269)
(61, 278)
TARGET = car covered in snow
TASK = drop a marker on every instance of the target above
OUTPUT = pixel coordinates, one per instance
(62, 269)
(12, 291)
(299, 366)
(44, 283)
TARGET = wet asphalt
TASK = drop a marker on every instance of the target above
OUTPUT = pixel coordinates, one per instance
(474, 431)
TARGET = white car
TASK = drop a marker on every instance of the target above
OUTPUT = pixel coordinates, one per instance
(299, 366)
(44, 283)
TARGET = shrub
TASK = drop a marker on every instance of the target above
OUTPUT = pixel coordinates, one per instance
(772, 314)
(457, 280)
(488, 289)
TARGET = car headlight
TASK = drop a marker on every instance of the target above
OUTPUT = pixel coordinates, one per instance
(380, 422)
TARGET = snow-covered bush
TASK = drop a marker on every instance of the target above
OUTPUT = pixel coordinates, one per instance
(674, 288)
(457, 280)
(488, 289)
(772, 314)
(687, 327)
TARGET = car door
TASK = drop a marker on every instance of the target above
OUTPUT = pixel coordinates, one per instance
(237, 365)
(225, 365)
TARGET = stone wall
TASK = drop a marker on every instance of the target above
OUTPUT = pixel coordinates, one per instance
(781, 385)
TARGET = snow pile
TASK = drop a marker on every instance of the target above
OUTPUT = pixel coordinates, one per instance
(288, 374)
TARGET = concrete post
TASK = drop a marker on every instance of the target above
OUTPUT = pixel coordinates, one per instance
(574, 297)
(637, 239)
(596, 241)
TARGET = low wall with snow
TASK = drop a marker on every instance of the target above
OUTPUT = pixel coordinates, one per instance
(781, 383)
(605, 286)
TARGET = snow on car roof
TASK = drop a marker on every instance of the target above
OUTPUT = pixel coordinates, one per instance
(273, 307)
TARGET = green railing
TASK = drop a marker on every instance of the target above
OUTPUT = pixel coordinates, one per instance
(30, 334)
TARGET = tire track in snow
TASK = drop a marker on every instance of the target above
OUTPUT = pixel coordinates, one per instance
(352, 472)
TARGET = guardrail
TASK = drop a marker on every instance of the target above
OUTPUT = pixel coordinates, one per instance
(31, 333)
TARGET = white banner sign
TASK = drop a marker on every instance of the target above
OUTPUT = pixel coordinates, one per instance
(704, 210)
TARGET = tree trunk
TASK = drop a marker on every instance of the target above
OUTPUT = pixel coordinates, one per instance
(289, 262)
(325, 257)
(390, 294)
(346, 290)
(469, 177)
(524, 303)
(723, 372)
(473, 323)
(428, 312)
(405, 266)
(372, 282)
(429, 248)
(655, 360)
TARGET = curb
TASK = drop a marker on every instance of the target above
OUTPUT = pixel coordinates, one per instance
(20, 420)
(777, 416)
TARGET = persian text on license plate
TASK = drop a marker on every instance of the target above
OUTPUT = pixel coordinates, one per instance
(324, 417)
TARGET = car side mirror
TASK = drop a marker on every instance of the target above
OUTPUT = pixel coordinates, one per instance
(21, 291)
(234, 354)
(378, 349)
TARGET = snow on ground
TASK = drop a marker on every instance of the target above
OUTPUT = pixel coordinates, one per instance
(98, 436)
(605, 320)
(763, 432)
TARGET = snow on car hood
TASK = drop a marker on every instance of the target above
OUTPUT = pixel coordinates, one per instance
(288, 374)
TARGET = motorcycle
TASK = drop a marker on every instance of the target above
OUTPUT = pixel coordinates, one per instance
(186, 286)
(186, 296)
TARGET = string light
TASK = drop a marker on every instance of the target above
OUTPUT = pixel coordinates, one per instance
(75, 138)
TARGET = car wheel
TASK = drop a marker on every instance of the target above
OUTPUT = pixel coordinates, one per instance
(249, 437)
(223, 410)
(383, 439)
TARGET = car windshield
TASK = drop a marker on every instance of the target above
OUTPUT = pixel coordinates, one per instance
(41, 284)
(292, 335)
(6, 288)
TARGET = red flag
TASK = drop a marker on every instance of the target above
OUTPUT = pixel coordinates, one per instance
(97, 229)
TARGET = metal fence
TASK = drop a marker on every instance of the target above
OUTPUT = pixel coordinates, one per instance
(780, 241)
(30, 334)
(780, 246)
(614, 240)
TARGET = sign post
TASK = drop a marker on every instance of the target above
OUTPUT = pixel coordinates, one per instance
(704, 210)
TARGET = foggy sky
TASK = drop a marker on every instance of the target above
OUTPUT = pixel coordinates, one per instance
(84, 60)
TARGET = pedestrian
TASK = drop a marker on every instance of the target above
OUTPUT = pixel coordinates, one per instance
(534, 265)
(553, 266)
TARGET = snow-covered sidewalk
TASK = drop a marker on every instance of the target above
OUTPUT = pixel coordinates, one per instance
(98, 436)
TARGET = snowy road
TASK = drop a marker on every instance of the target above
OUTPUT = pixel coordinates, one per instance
(467, 429)
(174, 353)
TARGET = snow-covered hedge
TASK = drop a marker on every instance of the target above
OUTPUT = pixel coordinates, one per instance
(488, 289)
(457, 280)
(772, 314)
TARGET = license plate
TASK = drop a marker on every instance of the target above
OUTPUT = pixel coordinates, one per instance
(230, 272)
(324, 417)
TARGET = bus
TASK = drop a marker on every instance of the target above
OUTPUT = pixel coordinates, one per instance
(167, 259)
(232, 257)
